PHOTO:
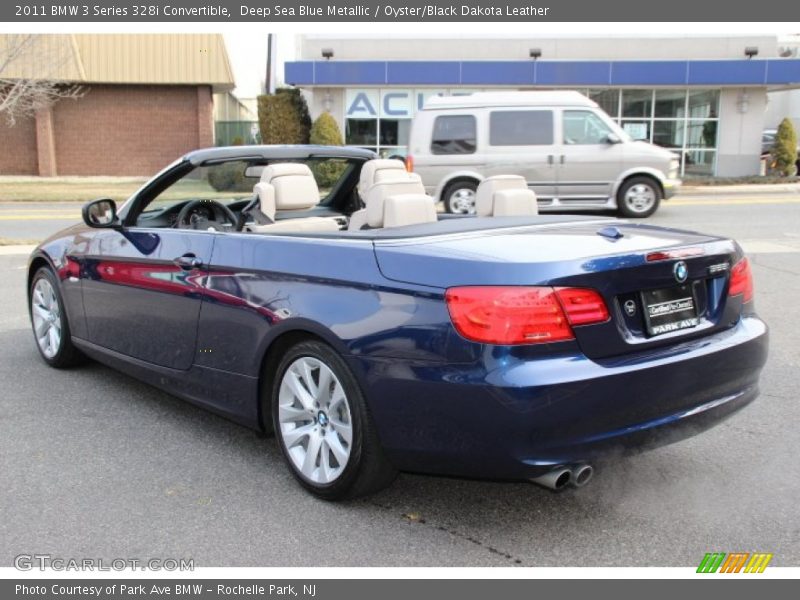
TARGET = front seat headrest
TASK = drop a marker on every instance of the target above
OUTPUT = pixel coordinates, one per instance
(377, 170)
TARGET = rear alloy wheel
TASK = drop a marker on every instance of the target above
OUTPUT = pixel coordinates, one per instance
(638, 197)
(50, 327)
(459, 197)
(323, 425)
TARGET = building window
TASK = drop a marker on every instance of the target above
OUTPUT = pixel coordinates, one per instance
(362, 132)
(454, 135)
(637, 103)
(682, 120)
(607, 99)
(521, 128)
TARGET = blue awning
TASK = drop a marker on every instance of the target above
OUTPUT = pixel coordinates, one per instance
(777, 72)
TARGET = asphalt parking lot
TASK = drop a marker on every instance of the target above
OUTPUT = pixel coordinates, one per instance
(96, 464)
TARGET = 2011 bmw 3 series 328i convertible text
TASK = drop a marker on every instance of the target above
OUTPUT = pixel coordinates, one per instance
(316, 293)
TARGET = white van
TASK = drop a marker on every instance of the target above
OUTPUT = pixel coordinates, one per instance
(571, 153)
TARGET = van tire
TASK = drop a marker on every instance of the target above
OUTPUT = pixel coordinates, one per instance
(639, 197)
(459, 196)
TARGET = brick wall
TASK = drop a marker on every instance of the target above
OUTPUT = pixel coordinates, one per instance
(114, 130)
(126, 130)
(18, 148)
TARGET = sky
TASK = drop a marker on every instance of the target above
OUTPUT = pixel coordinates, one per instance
(248, 56)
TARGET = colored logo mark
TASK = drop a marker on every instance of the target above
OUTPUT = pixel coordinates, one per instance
(734, 562)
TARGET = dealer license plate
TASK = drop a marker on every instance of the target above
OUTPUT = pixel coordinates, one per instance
(669, 309)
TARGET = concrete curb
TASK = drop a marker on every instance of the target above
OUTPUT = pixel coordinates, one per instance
(750, 188)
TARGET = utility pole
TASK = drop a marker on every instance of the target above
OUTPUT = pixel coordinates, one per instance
(269, 81)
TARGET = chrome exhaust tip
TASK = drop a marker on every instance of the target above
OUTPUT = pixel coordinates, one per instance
(557, 479)
(581, 474)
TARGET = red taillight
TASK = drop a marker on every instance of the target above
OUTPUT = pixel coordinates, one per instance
(410, 163)
(582, 306)
(521, 315)
(741, 280)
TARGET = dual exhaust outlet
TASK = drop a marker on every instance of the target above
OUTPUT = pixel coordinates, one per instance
(557, 479)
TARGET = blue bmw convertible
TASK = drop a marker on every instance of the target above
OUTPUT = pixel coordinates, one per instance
(316, 293)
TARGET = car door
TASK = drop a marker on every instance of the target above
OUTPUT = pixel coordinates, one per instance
(520, 142)
(142, 292)
(588, 163)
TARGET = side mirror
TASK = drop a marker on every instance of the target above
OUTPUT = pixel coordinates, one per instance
(100, 213)
(613, 138)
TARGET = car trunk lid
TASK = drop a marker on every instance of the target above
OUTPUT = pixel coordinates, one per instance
(633, 266)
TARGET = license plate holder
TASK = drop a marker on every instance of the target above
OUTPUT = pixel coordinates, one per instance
(669, 309)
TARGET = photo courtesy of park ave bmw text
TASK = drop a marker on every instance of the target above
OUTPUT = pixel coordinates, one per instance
(337, 299)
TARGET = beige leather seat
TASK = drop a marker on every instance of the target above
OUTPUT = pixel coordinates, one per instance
(399, 202)
(379, 170)
(289, 186)
(505, 196)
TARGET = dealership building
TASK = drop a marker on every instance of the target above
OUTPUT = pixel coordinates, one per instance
(705, 97)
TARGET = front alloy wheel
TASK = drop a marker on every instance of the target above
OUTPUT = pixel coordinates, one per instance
(639, 197)
(49, 322)
(46, 316)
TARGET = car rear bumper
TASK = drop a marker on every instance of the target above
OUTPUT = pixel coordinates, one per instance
(513, 419)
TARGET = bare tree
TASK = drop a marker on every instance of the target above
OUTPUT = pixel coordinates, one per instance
(30, 76)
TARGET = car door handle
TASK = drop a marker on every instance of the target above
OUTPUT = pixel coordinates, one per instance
(562, 159)
(549, 159)
(188, 262)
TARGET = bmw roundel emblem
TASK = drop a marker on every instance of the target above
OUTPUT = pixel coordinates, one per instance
(681, 271)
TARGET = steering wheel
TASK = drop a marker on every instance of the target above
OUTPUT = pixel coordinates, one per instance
(187, 220)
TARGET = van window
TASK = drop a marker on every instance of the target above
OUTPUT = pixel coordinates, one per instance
(521, 128)
(454, 135)
(582, 127)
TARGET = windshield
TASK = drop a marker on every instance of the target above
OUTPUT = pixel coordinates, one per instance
(232, 181)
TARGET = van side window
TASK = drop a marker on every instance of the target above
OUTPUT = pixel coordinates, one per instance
(454, 135)
(582, 127)
(521, 128)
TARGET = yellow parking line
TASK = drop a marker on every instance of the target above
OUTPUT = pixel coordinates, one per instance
(39, 216)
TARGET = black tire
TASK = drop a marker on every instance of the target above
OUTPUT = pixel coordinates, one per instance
(628, 206)
(453, 199)
(67, 354)
(367, 469)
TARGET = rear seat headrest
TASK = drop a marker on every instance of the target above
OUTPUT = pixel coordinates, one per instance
(505, 196)
(399, 202)
(377, 170)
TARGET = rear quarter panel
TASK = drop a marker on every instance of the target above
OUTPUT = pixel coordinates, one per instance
(260, 287)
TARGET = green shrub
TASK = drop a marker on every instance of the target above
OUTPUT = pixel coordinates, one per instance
(283, 117)
(784, 151)
(229, 177)
(325, 132)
